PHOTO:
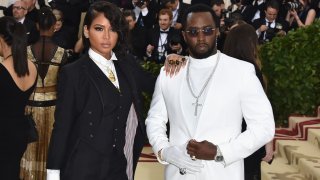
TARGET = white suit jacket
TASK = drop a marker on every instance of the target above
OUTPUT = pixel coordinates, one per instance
(235, 92)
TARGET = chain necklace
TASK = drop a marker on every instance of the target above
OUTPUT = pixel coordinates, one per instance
(196, 103)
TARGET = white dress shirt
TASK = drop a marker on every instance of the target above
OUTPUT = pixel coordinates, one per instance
(105, 65)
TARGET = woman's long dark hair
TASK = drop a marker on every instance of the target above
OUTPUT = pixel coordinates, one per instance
(14, 34)
(241, 43)
(117, 21)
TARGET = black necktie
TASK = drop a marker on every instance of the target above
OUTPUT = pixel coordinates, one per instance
(269, 24)
(164, 32)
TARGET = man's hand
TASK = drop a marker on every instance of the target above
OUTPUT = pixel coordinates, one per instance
(202, 150)
(177, 26)
(150, 49)
(177, 156)
(263, 28)
(281, 33)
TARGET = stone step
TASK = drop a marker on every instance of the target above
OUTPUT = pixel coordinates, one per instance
(301, 155)
(299, 131)
(314, 137)
(295, 150)
(310, 168)
(280, 170)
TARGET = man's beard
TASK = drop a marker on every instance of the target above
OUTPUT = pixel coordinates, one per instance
(203, 55)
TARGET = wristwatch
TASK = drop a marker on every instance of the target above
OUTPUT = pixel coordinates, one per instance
(219, 156)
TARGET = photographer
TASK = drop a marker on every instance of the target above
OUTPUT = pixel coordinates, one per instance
(302, 13)
(178, 8)
(163, 39)
(145, 11)
(270, 26)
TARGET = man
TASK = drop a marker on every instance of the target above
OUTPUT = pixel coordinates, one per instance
(178, 8)
(32, 11)
(205, 103)
(19, 12)
(137, 35)
(218, 7)
(163, 39)
(270, 26)
(145, 11)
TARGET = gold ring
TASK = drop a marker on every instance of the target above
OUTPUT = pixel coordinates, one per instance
(171, 62)
(177, 63)
(193, 158)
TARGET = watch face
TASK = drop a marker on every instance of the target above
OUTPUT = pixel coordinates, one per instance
(219, 158)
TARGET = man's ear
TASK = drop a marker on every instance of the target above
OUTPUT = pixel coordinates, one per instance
(86, 31)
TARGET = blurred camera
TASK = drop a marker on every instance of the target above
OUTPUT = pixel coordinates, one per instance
(293, 5)
(272, 32)
(230, 20)
(175, 40)
(225, 14)
(234, 1)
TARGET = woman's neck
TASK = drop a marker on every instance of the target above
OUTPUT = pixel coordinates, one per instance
(7, 53)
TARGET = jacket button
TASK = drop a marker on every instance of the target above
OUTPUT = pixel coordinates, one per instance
(121, 95)
(115, 129)
(114, 145)
(89, 112)
(91, 123)
(118, 117)
(91, 135)
(120, 107)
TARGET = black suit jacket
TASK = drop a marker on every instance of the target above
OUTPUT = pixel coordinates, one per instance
(138, 41)
(262, 21)
(82, 138)
(154, 36)
(32, 31)
(182, 8)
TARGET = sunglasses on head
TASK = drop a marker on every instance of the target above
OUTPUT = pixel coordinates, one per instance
(194, 32)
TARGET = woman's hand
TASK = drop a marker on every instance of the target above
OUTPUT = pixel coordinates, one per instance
(173, 64)
(269, 152)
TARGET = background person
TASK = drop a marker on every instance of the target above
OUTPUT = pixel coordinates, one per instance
(17, 80)
(48, 57)
(241, 43)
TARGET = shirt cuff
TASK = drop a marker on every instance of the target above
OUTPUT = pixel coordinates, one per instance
(53, 174)
(144, 11)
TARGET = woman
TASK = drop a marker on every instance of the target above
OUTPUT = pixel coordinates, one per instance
(48, 57)
(98, 131)
(241, 43)
(309, 12)
(17, 80)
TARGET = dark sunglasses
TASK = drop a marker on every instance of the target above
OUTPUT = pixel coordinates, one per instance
(194, 32)
(18, 7)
